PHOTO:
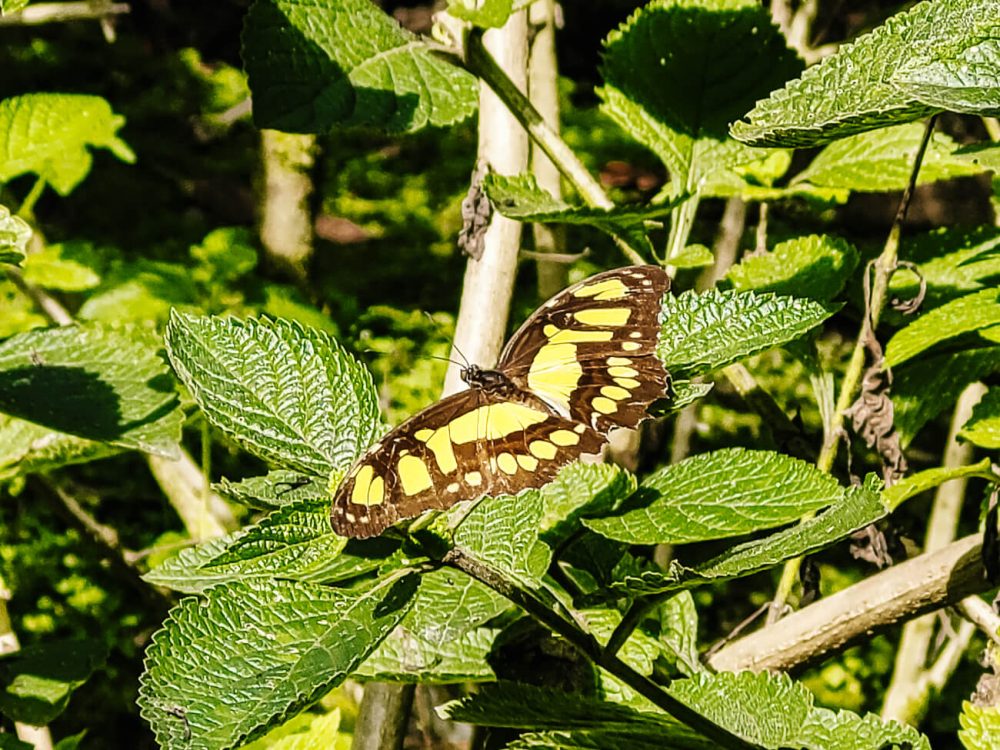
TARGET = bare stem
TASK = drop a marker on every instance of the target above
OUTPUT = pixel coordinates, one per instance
(42, 13)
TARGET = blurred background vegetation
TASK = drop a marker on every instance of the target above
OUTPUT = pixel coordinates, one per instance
(179, 228)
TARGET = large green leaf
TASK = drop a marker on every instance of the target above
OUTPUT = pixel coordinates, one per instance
(224, 669)
(402, 657)
(983, 427)
(294, 542)
(883, 159)
(50, 135)
(816, 267)
(702, 332)
(36, 682)
(980, 726)
(855, 89)
(68, 267)
(923, 388)
(927, 479)
(315, 65)
(94, 383)
(582, 489)
(970, 313)
(503, 533)
(274, 490)
(289, 394)
(449, 605)
(28, 448)
(679, 71)
(725, 493)
(14, 235)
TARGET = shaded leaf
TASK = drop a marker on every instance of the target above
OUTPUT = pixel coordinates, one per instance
(614, 738)
(693, 256)
(582, 489)
(724, 493)
(986, 155)
(36, 682)
(679, 632)
(404, 657)
(315, 65)
(50, 135)
(14, 236)
(702, 332)
(964, 78)
(816, 266)
(963, 315)
(29, 448)
(294, 542)
(855, 89)
(94, 383)
(983, 427)
(274, 489)
(449, 605)
(224, 669)
(289, 394)
(883, 159)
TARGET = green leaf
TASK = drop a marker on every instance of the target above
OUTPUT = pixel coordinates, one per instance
(693, 256)
(503, 531)
(522, 706)
(980, 726)
(684, 392)
(449, 605)
(521, 198)
(816, 267)
(702, 332)
(307, 731)
(36, 682)
(72, 742)
(294, 542)
(964, 78)
(402, 657)
(489, 14)
(775, 712)
(225, 669)
(923, 388)
(289, 394)
(679, 632)
(14, 236)
(94, 383)
(29, 448)
(983, 427)
(273, 490)
(951, 261)
(669, 87)
(882, 160)
(67, 267)
(855, 90)
(50, 134)
(12, 6)
(724, 493)
(314, 65)
(985, 155)
(963, 315)
(141, 291)
(927, 479)
(11, 742)
(579, 489)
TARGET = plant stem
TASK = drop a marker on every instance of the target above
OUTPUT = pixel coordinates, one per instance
(27, 208)
(481, 63)
(589, 647)
(883, 270)
(42, 13)
(975, 610)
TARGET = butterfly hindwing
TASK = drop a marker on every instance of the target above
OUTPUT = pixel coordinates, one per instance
(461, 448)
(590, 350)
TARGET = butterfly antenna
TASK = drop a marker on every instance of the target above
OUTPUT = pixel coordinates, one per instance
(446, 359)
(460, 354)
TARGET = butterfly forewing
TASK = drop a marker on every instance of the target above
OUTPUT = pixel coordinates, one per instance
(590, 350)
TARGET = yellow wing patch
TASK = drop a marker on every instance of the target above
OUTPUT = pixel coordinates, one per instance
(413, 475)
(368, 488)
(603, 290)
(604, 316)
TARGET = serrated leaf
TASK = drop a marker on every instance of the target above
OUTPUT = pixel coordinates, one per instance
(702, 332)
(980, 726)
(882, 160)
(521, 198)
(15, 233)
(314, 65)
(668, 86)
(855, 90)
(923, 388)
(679, 632)
(273, 490)
(845, 730)
(50, 135)
(724, 493)
(403, 657)
(294, 542)
(963, 315)
(815, 266)
(29, 448)
(579, 489)
(224, 669)
(449, 605)
(693, 256)
(983, 427)
(94, 383)
(36, 682)
(963, 79)
(62, 266)
(489, 14)
(640, 651)
(928, 479)
(684, 392)
(308, 731)
(289, 394)
(503, 531)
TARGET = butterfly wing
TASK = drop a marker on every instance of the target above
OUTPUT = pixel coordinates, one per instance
(589, 352)
(467, 445)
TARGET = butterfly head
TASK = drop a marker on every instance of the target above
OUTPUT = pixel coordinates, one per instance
(490, 380)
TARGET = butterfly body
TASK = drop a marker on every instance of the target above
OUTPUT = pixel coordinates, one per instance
(581, 365)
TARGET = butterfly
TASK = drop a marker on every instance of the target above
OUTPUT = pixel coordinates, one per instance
(581, 364)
